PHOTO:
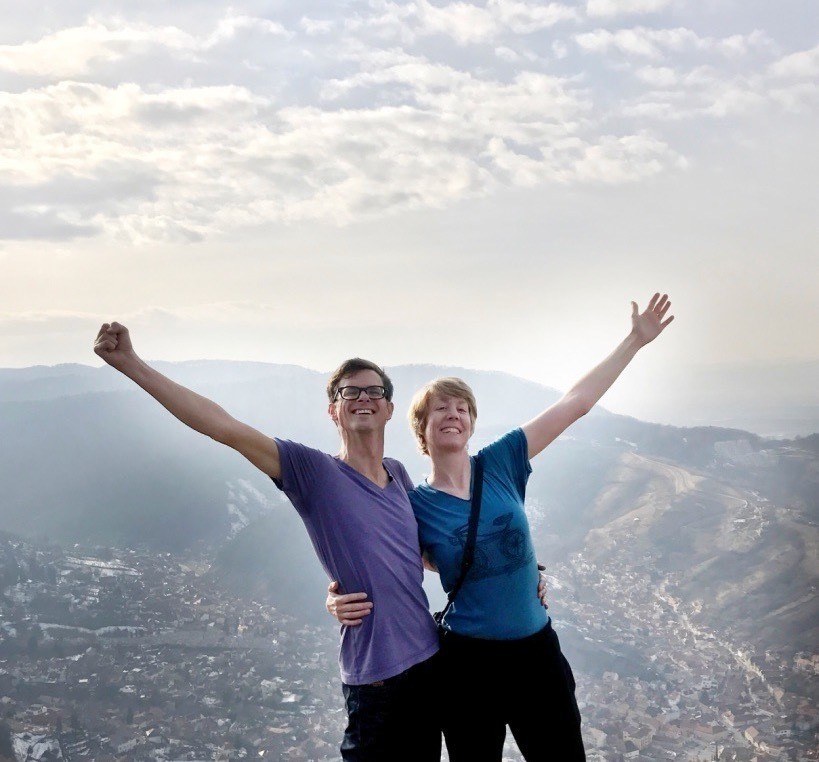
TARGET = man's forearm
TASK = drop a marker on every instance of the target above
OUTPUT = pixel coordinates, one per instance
(597, 381)
(194, 410)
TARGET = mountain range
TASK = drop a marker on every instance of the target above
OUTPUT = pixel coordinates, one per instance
(729, 515)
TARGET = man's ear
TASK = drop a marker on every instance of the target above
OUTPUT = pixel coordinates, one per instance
(333, 412)
(390, 409)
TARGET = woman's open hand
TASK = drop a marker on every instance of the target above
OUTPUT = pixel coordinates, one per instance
(648, 325)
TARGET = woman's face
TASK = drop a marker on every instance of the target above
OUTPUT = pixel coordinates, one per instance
(449, 425)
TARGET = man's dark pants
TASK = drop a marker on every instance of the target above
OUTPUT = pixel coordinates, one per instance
(395, 719)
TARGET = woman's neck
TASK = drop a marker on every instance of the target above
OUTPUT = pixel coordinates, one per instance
(451, 472)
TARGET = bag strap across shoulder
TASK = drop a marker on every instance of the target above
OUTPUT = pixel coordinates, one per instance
(471, 536)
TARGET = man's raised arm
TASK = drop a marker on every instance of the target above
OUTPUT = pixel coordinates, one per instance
(113, 345)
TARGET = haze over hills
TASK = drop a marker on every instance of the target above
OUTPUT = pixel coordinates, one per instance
(726, 516)
(778, 399)
(774, 399)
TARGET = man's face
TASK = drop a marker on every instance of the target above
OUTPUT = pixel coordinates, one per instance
(362, 414)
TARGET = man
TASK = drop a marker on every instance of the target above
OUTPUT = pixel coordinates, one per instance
(357, 513)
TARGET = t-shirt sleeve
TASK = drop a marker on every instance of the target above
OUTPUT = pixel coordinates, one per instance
(509, 457)
(301, 469)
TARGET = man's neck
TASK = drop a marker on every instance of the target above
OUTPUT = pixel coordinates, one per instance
(365, 453)
(452, 473)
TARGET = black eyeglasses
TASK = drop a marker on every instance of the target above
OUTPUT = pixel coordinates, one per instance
(354, 392)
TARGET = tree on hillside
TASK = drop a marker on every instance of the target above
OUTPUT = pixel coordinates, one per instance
(6, 749)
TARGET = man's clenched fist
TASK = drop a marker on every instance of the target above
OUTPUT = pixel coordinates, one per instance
(113, 344)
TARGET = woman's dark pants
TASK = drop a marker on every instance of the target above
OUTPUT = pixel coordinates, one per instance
(395, 719)
(526, 684)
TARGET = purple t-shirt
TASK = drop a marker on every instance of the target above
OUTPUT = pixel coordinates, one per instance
(366, 538)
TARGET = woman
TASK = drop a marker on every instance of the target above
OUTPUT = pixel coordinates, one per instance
(501, 662)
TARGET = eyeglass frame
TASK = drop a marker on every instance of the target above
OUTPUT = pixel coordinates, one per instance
(361, 389)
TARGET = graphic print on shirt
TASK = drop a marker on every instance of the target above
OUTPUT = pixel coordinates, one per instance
(501, 550)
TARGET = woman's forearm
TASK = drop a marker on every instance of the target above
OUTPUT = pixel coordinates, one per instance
(599, 379)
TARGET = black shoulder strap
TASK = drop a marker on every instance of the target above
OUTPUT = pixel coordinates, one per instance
(471, 536)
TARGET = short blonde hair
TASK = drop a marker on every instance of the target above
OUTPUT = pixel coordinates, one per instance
(419, 407)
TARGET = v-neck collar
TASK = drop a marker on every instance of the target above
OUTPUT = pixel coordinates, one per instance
(457, 497)
(367, 479)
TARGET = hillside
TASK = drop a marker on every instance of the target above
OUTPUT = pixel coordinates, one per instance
(726, 518)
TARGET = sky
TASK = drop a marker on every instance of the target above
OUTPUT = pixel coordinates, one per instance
(486, 184)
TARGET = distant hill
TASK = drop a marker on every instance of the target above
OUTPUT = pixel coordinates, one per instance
(777, 399)
(85, 456)
(772, 398)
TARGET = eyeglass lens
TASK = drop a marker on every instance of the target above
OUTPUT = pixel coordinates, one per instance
(354, 392)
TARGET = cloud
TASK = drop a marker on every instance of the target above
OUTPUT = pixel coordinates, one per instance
(657, 76)
(313, 26)
(700, 92)
(712, 92)
(37, 323)
(180, 164)
(796, 98)
(525, 18)
(801, 65)
(657, 43)
(179, 131)
(41, 224)
(225, 312)
(464, 22)
(70, 52)
(81, 49)
(610, 160)
(611, 8)
(507, 54)
(233, 24)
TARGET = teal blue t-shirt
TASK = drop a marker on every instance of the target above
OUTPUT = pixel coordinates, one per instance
(498, 599)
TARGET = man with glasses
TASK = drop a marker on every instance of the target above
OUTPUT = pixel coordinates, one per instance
(360, 521)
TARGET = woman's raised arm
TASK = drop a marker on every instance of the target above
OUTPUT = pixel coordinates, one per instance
(584, 395)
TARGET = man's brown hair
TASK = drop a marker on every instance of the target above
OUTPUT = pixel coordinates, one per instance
(353, 365)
